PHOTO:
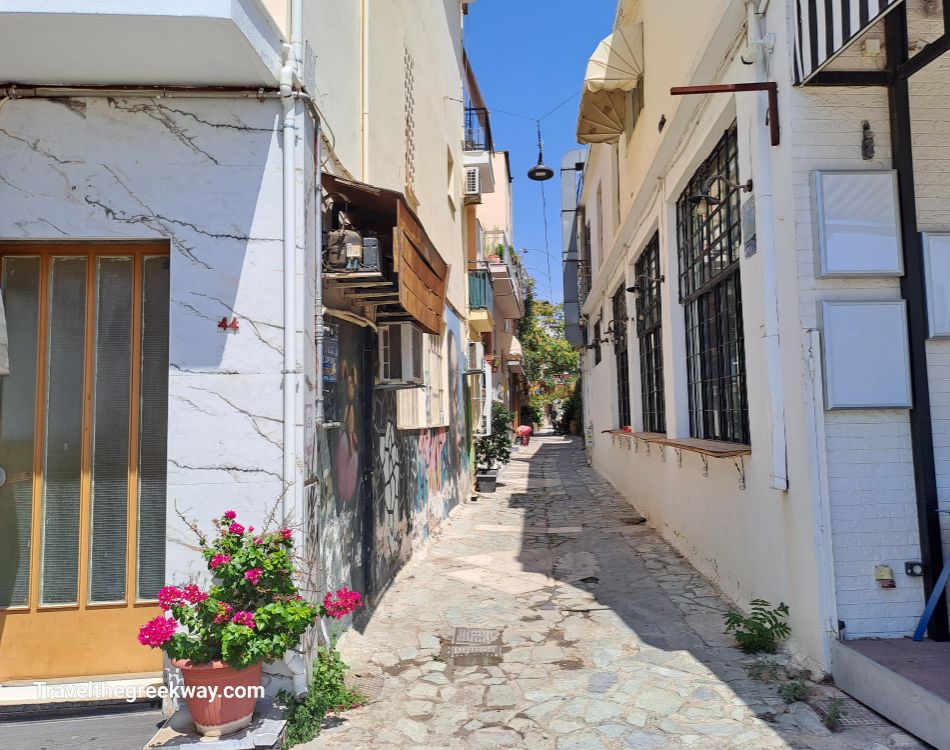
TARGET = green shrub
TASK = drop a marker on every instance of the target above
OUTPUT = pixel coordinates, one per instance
(795, 690)
(328, 694)
(495, 449)
(761, 630)
(832, 717)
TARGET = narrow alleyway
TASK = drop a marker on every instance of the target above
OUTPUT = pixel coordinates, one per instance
(608, 639)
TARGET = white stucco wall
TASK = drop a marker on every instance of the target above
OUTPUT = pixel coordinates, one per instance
(206, 175)
(851, 501)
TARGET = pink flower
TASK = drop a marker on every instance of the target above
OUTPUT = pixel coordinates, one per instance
(253, 575)
(250, 529)
(344, 603)
(230, 515)
(192, 594)
(258, 540)
(157, 631)
(244, 618)
(286, 533)
(223, 613)
(169, 596)
(218, 560)
(236, 528)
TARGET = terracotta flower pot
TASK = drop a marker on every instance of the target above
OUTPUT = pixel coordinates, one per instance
(221, 714)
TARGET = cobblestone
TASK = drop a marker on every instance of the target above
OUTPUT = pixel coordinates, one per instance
(610, 640)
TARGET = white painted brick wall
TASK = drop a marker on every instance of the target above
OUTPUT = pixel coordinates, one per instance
(870, 463)
(870, 468)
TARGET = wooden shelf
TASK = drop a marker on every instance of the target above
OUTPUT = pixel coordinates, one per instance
(715, 448)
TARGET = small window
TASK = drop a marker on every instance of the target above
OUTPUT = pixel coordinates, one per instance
(620, 354)
(711, 294)
(597, 351)
(634, 108)
(650, 335)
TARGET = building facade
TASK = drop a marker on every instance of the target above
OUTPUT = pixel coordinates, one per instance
(779, 415)
(210, 259)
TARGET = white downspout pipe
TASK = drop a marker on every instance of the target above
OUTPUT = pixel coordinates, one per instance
(764, 204)
(291, 507)
(289, 474)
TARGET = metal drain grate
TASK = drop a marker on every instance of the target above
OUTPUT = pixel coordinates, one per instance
(475, 636)
(853, 714)
(370, 686)
(466, 649)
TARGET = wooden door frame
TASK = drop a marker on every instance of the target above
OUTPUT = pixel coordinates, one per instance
(118, 615)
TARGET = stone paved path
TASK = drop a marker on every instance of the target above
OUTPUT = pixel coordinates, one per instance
(609, 639)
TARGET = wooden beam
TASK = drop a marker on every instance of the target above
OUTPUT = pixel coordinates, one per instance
(850, 78)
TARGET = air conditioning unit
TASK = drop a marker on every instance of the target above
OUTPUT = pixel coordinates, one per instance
(476, 357)
(401, 355)
(473, 181)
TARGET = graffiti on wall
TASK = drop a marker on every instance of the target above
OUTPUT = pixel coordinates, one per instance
(419, 475)
(343, 452)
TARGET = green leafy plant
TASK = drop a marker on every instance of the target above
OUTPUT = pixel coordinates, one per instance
(495, 449)
(796, 689)
(328, 693)
(833, 714)
(762, 629)
(251, 613)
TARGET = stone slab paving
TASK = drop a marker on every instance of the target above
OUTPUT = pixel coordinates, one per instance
(609, 639)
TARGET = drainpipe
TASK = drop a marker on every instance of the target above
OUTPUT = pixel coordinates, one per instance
(364, 90)
(319, 327)
(289, 78)
(289, 503)
(764, 201)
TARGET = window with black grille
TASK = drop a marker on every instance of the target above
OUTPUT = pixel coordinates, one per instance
(649, 333)
(711, 295)
(597, 351)
(619, 326)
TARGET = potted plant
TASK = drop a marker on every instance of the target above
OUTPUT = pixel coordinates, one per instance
(494, 449)
(252, 613)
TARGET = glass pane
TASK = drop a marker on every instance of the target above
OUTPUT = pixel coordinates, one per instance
(110, 441)
(21, 285)
(153, 428)
(62, 465)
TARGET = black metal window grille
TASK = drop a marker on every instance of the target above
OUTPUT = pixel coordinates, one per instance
(650, 335)
(620, 354)
(597, 351)
(711, 294)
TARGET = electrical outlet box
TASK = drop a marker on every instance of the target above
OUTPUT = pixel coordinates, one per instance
(914, 568)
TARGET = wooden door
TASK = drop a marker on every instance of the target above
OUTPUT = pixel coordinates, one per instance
(83, 430)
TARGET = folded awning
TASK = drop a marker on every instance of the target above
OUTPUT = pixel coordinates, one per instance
(615, 69)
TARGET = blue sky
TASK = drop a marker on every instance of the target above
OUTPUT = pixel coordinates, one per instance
(529, 56)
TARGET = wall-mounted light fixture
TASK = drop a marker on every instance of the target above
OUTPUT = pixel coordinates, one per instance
(637, 288)
(705, 202)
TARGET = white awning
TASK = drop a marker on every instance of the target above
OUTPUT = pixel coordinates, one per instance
(615, 68)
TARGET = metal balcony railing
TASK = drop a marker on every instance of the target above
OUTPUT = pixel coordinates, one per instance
(477, 135)
(480, 294)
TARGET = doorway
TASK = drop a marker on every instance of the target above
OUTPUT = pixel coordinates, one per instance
(83, 431)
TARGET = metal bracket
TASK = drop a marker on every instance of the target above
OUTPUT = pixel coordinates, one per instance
(663, 454)
(769, 87)
(705, 459)
(679, 456)
(740, 467)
